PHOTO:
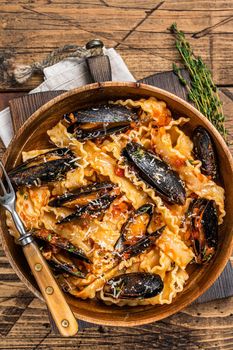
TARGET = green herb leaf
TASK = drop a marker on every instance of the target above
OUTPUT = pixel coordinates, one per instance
(201, 90)
(71, 249)
(49, 237)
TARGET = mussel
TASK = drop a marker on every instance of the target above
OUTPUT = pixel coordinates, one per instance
(135, 285)
(91, 131)
(155, 173)
(134, 238)
(141, 245)
(135, 227)
(102, 114)
(94, 208)
(44, 168)
(100, 121)
(202, 226)
(204, 151)
(55, 240)
(61, 262)
(82, 195)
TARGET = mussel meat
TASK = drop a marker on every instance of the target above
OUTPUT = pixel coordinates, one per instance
(141, 245)
(55, 240)
(155, 173)
(82, 195)
(134, 238)
(99, 121)
(102, 114)
(44, 168)
(94, 208)
(202, 226)
(135, 285)
(204, 151)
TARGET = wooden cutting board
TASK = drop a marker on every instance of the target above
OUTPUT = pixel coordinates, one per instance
(22, 107)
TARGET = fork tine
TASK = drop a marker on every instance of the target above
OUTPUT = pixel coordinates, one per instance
(7, 178)
(3, 187)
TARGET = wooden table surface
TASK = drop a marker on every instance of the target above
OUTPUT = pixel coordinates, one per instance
(29, 30)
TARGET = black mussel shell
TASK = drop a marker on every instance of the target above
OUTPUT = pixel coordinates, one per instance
(47, 167)
(94, 208)
(141, 245)
(142, 216)
(97, 132)
(62, 267)
(102, 114)
(155, 172)
(204, 151)
(53, 239)
(60, 262)
(82, 195)
(135, 285)
(202, 222)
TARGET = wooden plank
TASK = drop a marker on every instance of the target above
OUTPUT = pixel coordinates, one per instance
(207, 326)
(23, 107)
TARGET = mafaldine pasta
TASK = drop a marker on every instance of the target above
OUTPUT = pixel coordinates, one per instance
(123, 202)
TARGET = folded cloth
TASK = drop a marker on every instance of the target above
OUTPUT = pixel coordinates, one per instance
(65, 75)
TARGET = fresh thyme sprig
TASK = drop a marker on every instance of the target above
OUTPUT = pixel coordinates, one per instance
(201, 89)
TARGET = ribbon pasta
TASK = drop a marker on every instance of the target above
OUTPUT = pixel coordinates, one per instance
(97, 161)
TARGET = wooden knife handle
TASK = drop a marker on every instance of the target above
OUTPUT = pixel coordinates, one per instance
(60, 310)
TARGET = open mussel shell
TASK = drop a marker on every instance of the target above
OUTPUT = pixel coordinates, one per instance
(82, 195)
(135, 285)
(155, 173)
(82, 133)
(204, 150)
(61, 262)
(102, 114)
(44, 168)
(55, 240)
(135, 227)
(141, 245)
(65, 267)
(202, 222)
(94, 208)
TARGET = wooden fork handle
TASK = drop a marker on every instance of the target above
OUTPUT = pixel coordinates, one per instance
(60, 310)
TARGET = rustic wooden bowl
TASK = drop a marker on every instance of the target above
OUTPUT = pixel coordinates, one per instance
(32, 135)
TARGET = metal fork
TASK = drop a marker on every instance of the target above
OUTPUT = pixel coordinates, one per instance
(60, 310)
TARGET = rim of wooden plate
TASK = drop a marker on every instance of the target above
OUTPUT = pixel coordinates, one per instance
(161, 93)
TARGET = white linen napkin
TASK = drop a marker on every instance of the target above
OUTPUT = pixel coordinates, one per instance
(65, 75)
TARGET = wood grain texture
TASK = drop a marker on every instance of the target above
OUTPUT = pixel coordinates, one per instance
(138, 29)
(23, 107)
(25, 325)
(33, 135)
(23, 319)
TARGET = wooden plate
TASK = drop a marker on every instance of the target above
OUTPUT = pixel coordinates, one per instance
(33, 135)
